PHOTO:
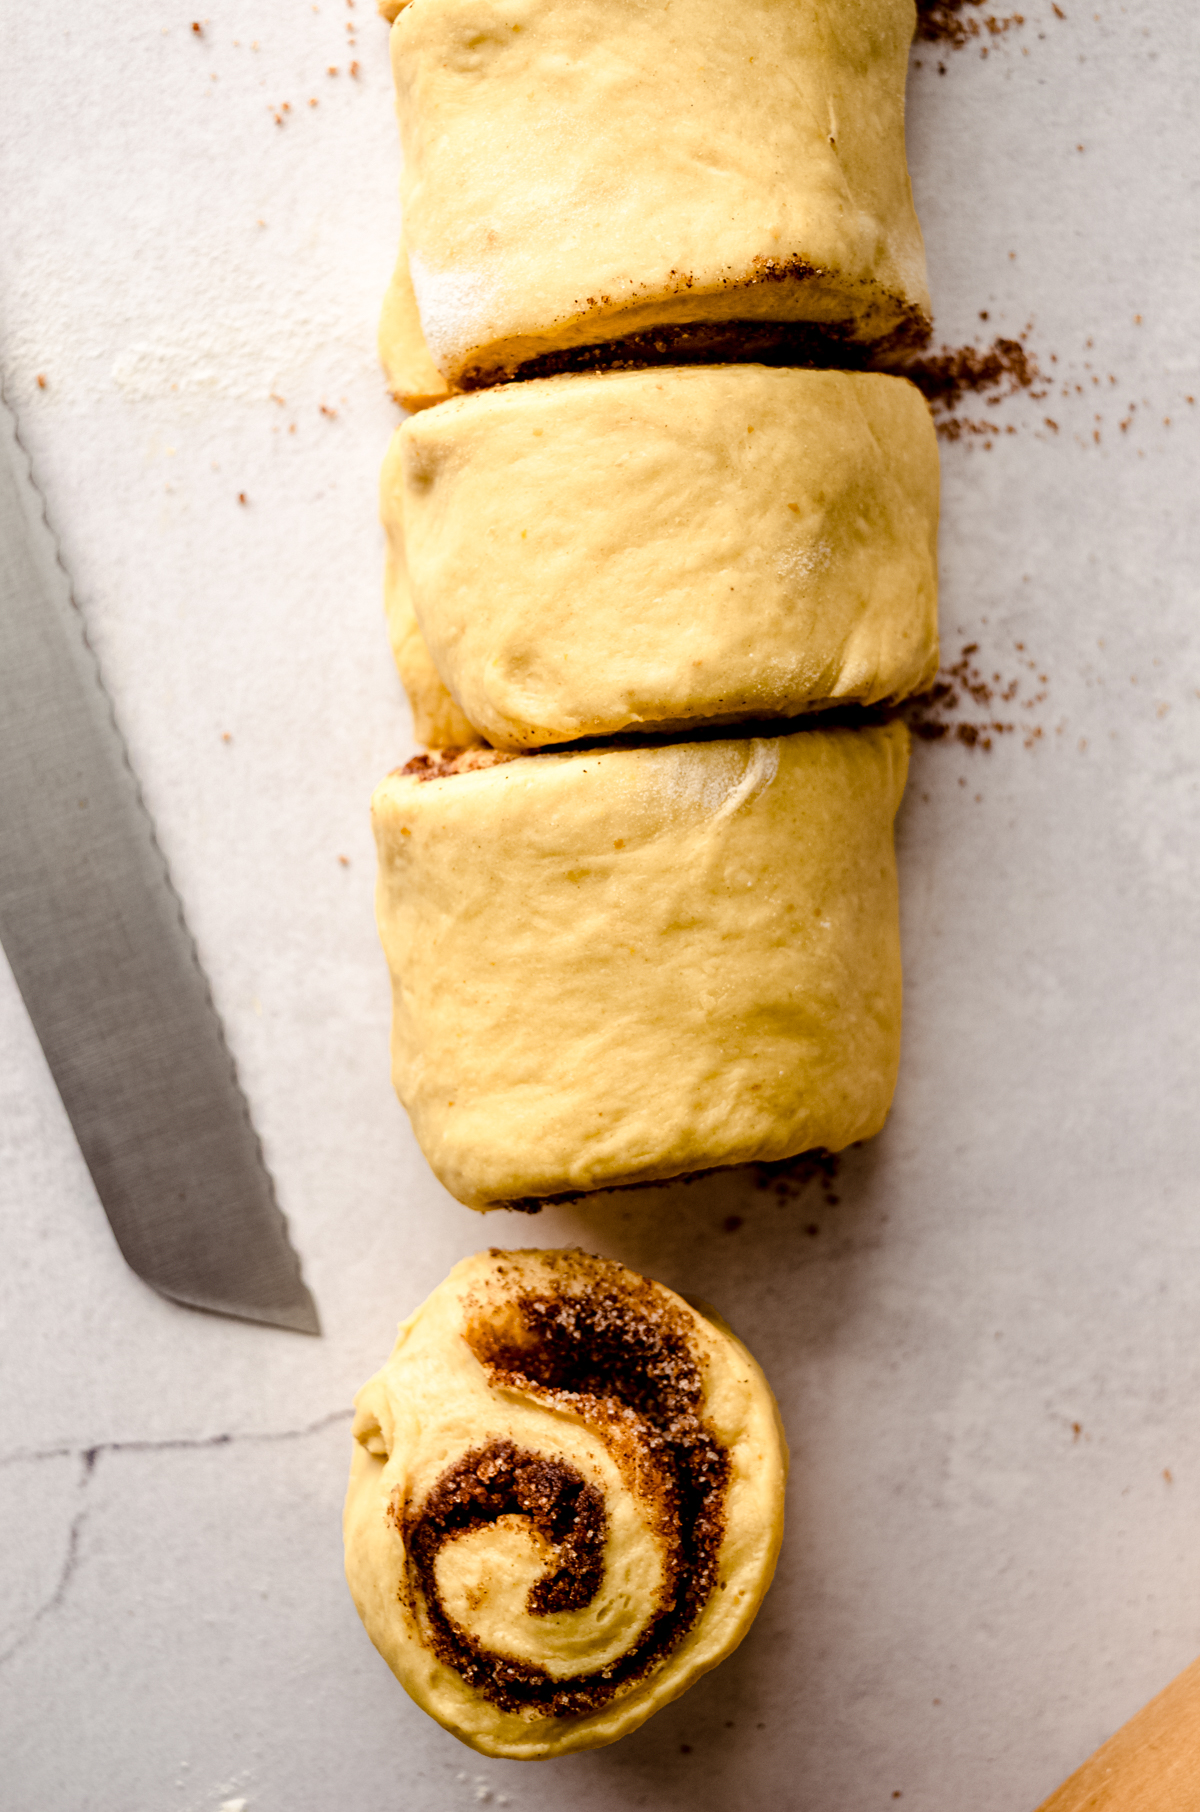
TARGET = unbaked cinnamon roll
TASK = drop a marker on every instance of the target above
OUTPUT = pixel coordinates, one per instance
(623, 964)
(663, 549)
(582, 171)
(565, 1502)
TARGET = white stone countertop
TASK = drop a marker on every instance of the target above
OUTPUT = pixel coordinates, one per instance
(986, 1349)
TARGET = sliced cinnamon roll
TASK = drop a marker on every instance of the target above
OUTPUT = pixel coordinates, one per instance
(622, 964)
(660, 549)
(580, 171)
(565, 1502)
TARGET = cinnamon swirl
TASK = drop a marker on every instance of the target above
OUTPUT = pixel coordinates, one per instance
(621, 964)
(565, 1502)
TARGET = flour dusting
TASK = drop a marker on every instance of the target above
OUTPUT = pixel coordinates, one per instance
(804, 560)
(454, 306)
(234, 336)
(718, 778)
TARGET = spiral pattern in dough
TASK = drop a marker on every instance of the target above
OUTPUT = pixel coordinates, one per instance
(566, 1500)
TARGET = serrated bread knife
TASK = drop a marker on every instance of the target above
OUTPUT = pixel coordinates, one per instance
(97, 941)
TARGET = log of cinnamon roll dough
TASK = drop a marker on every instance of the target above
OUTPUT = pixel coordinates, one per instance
(656, 549)
(565, 1502)
(578, 171)
(625, 964)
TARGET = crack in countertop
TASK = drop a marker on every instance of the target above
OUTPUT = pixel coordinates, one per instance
(88, 1458)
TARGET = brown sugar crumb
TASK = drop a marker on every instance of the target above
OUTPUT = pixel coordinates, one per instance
(946, 377)
(965, 703)
(788, 1178)
(947, 22)
(442, 764)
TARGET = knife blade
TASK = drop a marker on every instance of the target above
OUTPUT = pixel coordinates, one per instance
(102, 955)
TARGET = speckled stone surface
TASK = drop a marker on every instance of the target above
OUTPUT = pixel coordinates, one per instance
(985, 1349)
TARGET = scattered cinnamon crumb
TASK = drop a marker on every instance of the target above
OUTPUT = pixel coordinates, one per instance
(945, 377)
(331, 413)
(345, 861)
(225, 736)
(788, 1178)
(945, 22)
(963, 704)
(197, 28)
(41, 380)
(440, 764)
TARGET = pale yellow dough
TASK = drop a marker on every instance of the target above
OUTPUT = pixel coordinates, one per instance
(588, 553)
(416, 383)
(438, 1400)
(626, 964)
(413, 378)
(579, 170)
(438, 722)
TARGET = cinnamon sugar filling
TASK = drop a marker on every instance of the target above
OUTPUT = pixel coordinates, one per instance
(803, 344)
(620, 1358)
